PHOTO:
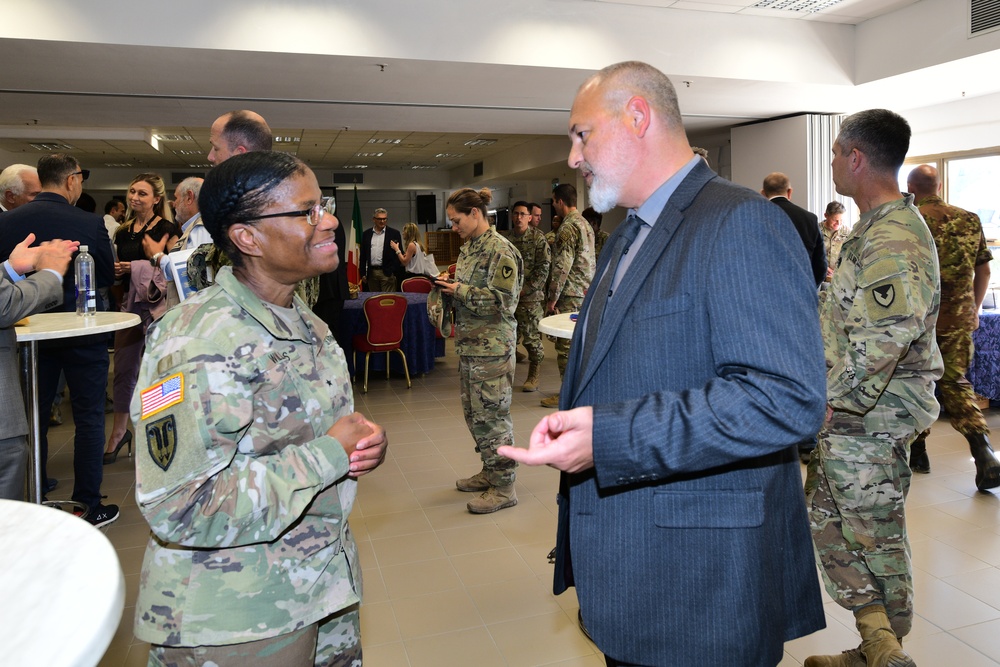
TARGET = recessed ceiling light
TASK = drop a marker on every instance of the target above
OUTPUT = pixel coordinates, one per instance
(117, 164)
(480, 142)
(385, 141)
(448, 155)
(286, 140)
(189, 152)
(369, 154)
(424, 166)
(200, 166)
(355, 166)
(173, 137)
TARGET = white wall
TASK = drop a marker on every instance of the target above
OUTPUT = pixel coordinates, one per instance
(777, 145)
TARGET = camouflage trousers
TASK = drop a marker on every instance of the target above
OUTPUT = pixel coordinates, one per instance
(486, 386)
(333, 642)
(527, 315)
(957, 395)
(856, 486)
(565, 304)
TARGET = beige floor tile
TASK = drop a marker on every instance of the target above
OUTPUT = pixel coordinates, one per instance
(513, 599)
(378, 623)
(982, 544)
(436, 613)
(943, 560)
(984, 637)
(421, 578)
(426, 479)
(473, 538)
(487, 567)
(934, 523)
(984, 584)
(440, 496)
(407, 549)
(945, 650)
(397, 523)
(540, 640)
(947, 607)
(463, 648)
(384, 655)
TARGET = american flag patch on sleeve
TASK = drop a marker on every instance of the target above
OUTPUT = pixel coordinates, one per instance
(162, 395)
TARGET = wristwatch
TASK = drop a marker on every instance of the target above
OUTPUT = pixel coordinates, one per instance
(155, 259)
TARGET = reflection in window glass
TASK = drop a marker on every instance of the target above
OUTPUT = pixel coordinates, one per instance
(972, 185)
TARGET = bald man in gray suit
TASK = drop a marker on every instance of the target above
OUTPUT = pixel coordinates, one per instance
(20, 297)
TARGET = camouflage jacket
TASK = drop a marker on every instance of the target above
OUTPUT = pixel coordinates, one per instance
(536, 257)
(600, 238)
(961, 247)
(246, 495)
(573, 260)
(491, 274)
(833, 240)
(879, 314)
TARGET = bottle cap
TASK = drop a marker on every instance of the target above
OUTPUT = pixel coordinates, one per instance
(83, 248)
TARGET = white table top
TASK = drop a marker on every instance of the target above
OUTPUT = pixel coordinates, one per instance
(560, 326)
(62, 587)
(49, 326)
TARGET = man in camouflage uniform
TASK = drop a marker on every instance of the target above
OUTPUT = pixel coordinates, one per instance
(600, 238)
(536, 258)
(834, 235)
(243, 412)
(965, 277)
(488, 279)
(877, 321)
(573, 265)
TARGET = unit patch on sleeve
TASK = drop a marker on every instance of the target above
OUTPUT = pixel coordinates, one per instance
(505, 275)
(161, 439)
(162, 395)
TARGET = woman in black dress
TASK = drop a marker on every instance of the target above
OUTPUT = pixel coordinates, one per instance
(147, 233)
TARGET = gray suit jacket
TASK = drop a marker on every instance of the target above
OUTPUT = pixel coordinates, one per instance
(34, 294)
(688, 541)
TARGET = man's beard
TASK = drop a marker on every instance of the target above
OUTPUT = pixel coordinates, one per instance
(605, 189)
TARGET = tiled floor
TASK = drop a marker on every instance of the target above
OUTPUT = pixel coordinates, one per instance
(446, 588)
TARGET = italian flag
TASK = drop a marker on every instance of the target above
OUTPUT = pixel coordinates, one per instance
(354, 242)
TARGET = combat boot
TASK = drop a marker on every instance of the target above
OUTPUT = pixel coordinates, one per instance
(477, 483)
(850, 658)
(550, 402)
(879, 644)
(493, 499)
(521, 357)
(531, 384)
(987, 466)
(919, 462)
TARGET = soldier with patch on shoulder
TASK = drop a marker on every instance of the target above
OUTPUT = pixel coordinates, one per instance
(249, 448)
(536, 258)
(488, 280)
(877, 320)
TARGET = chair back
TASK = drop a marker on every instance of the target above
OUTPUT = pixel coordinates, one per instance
(385, 313)
(422, 285)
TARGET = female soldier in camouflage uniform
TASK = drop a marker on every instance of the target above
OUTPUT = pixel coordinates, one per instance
(487, 284)
(249, 446)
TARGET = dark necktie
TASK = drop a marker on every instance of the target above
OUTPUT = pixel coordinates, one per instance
(595, 313)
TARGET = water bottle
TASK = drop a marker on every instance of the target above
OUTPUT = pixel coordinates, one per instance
(86, 292)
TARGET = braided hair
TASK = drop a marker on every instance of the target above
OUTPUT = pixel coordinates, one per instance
(239, 189)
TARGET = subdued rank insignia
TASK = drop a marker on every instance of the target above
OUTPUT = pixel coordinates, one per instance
(161, 438)
(884, 295)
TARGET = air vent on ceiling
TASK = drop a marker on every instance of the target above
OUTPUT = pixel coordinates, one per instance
(797, 6)
(984, 16)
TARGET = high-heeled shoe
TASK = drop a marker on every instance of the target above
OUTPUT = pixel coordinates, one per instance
(111, 457)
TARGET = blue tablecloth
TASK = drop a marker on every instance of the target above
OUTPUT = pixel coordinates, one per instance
(420, 343)
(984, 371)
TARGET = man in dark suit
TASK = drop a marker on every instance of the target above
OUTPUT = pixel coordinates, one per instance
(379, 267)
(778, 189)
(333, 291)
(696, 366)
(20, 297)
(84, 360)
